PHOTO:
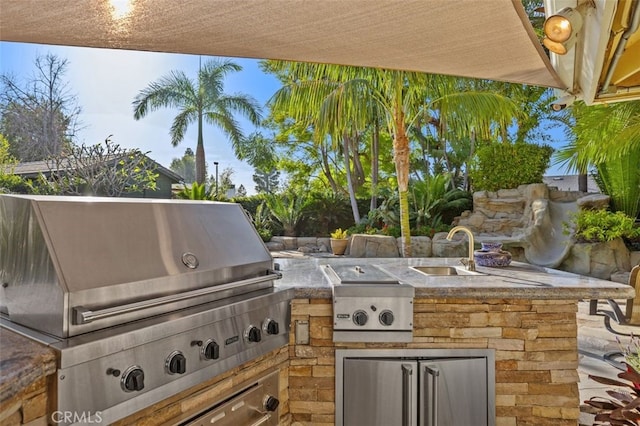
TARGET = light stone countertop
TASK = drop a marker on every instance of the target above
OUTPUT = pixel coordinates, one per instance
(516, 281)
(23, 362)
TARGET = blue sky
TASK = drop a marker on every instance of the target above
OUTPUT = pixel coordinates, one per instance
(106, 81)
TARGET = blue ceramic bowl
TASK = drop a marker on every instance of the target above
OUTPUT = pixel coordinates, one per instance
(494, 259)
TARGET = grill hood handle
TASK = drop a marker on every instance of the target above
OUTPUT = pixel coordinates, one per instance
(82, 315)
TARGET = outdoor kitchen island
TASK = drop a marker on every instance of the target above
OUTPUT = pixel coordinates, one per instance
(525, 314)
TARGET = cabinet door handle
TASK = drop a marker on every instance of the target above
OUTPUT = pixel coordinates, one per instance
(435, 373)
(407, 372)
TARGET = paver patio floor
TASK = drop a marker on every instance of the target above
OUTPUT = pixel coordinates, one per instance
(594, 340)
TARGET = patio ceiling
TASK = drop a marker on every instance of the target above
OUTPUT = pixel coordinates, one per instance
(488, 39)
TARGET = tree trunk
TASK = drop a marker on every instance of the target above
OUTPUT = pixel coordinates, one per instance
(375, 150)
(466, 184)
(358, 170)
(326, 169)
(582, 182)
(200, 162)
(352, 194)
(401, 157)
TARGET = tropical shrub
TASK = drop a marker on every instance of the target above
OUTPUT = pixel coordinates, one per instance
(606, 138)
(591, 226)
(262, 222)
(433, 200)
(619, 178)
(8, 181)
(288, 209)
(387, 214)
(325, 212)
(195, 192)
(250, 203)
(623, 405)
(12, 184)
(504, 165)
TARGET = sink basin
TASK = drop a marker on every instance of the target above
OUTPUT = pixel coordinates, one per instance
(444, 270)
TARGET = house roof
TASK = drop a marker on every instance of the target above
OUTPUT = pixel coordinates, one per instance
(34, 168)
(487, 39)
(570, 183)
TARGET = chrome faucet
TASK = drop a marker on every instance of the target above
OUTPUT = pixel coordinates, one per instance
(469, 263)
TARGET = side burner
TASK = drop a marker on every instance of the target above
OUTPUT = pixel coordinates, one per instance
(369, 304)
(355, 274)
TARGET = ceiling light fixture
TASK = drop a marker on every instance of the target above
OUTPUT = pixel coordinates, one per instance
(561, 29)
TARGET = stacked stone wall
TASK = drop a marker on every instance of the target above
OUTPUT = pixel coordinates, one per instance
(29, 407)
(535, 343)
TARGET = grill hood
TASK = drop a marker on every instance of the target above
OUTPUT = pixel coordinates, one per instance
(69, 265)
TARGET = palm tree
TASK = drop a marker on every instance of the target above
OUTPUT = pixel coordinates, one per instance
(198, 101)
(342, 98)
(607, 138)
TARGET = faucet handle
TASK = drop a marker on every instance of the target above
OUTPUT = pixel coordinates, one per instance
(469, 264)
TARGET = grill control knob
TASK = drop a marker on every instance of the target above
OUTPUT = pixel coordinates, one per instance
(386, 317)
(211, 350)
(252, 334)
(271, 403)
(132, 379)
(270, 326)
(176, 363)
(360, 318)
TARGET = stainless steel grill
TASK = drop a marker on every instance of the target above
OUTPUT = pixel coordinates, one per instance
(142, 299)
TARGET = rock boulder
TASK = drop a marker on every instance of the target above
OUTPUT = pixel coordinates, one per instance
(364, 245)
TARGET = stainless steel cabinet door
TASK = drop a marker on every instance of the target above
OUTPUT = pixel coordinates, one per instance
(454, 392)
(380, 392)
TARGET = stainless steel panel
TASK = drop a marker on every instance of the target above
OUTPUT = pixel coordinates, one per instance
(375, 392)
(369, 304)
(29, 290)
(104, 242)
(345, 307)
(105, 298)
(245, 407)
(355, 274)
(466, 378)
(455, 392)
(86, 379)
(355, 336)
(374, 290)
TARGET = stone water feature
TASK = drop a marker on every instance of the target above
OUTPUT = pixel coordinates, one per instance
(527, 220)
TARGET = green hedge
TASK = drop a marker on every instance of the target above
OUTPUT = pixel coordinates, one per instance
(501, 166)
(593, 226)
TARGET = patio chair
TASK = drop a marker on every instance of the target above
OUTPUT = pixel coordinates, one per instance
(631, 316)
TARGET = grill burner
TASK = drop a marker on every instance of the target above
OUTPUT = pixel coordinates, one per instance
(142, 299)
(369, 305)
